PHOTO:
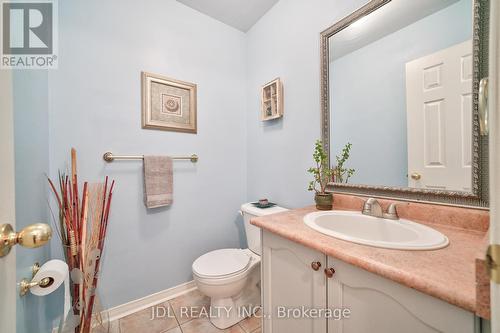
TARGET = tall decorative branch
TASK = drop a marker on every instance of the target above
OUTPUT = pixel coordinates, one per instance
(82, 226)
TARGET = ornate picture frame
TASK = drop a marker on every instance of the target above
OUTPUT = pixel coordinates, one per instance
(168, 104)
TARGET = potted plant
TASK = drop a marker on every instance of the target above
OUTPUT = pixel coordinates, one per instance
(323, 174)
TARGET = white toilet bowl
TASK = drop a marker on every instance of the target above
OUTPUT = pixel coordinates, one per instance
(231, 277)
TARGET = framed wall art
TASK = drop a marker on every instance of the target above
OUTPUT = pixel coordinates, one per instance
(272, 100)
(168, 104)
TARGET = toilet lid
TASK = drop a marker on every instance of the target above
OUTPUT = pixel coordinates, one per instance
(221, 262)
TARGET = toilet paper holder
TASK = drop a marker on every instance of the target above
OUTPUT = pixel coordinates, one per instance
(25, 285)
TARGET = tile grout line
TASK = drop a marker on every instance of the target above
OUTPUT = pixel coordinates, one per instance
(242, 328)
(175, 316)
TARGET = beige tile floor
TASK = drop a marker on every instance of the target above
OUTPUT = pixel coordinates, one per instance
(173, 320)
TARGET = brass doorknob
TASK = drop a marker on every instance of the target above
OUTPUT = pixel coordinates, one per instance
(329, 272)
(315, 265)
(416, 176)
(32, 236)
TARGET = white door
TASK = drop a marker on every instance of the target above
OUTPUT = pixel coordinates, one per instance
(494, 117)
(290, 282)
(7, 206)
(439, 119)
(28, 314)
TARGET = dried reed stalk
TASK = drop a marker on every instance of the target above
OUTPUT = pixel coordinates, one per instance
(82, 226)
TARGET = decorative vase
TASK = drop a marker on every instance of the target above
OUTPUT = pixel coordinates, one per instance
(324, 201)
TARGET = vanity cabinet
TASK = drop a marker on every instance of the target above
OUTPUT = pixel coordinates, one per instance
(290, 282)
(375, 304)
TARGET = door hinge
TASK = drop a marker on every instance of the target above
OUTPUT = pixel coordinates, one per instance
(493, 262)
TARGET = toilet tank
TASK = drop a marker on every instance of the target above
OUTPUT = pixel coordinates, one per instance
(252, 232)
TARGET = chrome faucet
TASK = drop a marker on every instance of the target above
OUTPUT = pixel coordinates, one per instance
(392, 212)
(372, 207)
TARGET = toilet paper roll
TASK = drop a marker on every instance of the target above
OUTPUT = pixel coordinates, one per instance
(57, 270)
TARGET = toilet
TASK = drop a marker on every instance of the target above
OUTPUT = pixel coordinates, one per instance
(231, 277)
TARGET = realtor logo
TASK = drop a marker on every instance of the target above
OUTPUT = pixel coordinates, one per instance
(29, 34)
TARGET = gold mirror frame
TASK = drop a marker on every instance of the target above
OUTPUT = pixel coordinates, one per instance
(478, 197)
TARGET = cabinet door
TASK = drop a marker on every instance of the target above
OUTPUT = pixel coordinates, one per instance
(289, 282)
(378, 305)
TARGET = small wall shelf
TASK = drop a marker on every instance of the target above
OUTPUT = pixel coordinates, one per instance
(272, 100)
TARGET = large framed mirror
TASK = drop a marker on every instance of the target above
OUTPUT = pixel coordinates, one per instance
(401, 85)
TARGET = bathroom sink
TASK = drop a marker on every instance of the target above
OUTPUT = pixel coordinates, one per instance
(378, 232)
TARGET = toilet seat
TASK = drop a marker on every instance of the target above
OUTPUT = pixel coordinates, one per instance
(222, 264)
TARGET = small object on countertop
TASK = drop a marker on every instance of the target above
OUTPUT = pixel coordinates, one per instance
(263, 202)
(266, 204)
(158, 181)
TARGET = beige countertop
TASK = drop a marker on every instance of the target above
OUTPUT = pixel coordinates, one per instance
(448, 274)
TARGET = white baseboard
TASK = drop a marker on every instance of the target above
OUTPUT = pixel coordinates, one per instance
(126, 309)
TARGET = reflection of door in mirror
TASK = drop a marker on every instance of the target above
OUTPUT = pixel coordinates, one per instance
(370, 92)
(439, 118)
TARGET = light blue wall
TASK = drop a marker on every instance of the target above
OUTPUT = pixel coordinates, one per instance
(368, 96)
(285, 43)
(31, 144)
(95, 106)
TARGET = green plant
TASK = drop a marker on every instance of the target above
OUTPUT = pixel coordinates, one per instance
(321, 173)
(340, 173)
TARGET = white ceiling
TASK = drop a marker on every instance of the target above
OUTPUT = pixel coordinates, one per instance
(240, 14)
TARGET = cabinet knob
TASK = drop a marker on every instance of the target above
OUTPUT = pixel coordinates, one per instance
(315, 265)
(329, 272)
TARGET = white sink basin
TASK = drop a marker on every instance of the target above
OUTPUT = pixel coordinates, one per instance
(379, 232)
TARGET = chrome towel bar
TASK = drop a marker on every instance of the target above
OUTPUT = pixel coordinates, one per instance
(110, 157)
